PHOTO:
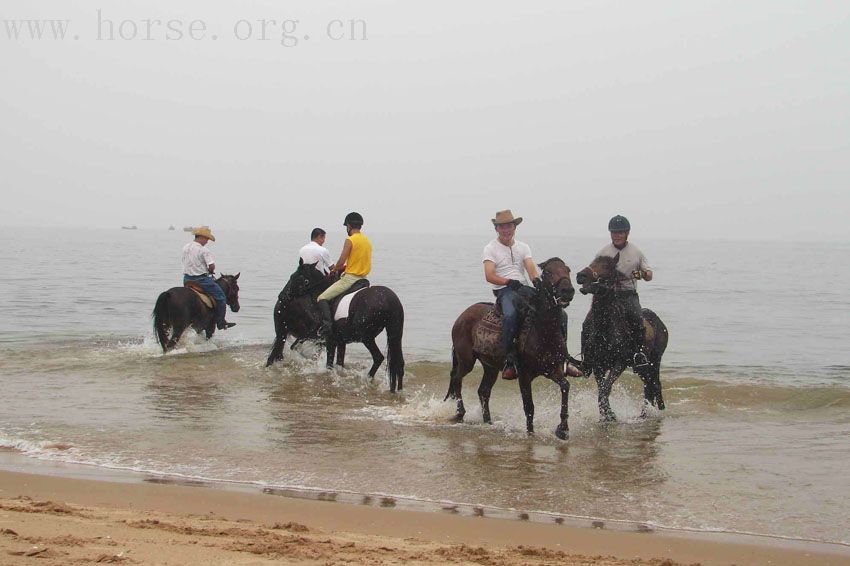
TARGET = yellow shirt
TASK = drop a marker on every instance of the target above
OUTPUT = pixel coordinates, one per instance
(360, 260)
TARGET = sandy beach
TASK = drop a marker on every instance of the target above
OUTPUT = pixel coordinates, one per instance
(56, 520)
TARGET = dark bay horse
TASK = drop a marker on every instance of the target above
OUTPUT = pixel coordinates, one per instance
(180, 307)
(605, 341)
(541, 345)
(371, 311)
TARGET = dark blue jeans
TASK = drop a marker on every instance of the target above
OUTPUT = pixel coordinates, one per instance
(509, 301)
(211, 288)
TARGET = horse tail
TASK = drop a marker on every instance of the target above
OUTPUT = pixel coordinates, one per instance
(395, 356)
(454, 382)
(162, 319)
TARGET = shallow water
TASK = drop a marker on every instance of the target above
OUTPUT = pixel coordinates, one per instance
(754, 438)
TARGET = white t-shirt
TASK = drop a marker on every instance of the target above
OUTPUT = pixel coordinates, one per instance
(314, 253)
(509, 260)
(631, 259)
(196, 259)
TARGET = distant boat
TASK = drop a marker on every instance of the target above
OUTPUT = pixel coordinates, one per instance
(188, 228)
(171, 227)
(133, 227)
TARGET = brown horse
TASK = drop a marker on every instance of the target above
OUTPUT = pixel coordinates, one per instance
(180, 307)
(541, 345)
(607, 347)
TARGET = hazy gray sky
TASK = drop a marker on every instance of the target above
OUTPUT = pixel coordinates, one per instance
(693, 118)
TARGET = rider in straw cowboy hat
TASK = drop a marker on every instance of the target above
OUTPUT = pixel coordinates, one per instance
(505, 259)
(198, 266)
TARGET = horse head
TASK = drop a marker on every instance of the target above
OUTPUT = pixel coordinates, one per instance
(230, 287)
(598, 277)
(305, 279)
(556, 281)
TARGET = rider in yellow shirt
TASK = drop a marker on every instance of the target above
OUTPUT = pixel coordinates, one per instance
(355, 261)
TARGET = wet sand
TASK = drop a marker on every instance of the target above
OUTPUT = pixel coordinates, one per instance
(58, 520)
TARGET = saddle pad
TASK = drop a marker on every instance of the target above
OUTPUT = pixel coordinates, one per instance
(344, 303)
(206, 299)
(487, 334)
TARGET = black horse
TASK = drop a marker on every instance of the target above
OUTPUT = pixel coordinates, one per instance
(372, 310)
(541, 345)
(180, 307)
(606, 345)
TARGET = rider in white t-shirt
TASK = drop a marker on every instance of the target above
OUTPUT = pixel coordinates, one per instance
(506, 261)
(315, 252)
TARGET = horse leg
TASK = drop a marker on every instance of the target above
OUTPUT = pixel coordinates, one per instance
(280, 332)
(527, 402)
(176, 333)
(562, 431)
(491, 374)
(340, 355)
(331, 348)
(461, 365)
(377, 359)
(604, 385)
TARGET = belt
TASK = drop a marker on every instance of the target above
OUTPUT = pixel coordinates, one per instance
(202, 275)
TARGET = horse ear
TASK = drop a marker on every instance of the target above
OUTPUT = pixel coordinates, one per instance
(300, 261)
(237, 275)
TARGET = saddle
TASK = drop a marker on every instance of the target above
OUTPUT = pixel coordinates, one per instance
(487, 334)
(206, 299)
(358, 285)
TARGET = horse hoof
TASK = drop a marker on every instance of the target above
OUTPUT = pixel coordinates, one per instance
(456, 419)
(562, 434)
(608, 418)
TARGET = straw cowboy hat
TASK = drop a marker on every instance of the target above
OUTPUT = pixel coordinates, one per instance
(506, 217)
(203, 231)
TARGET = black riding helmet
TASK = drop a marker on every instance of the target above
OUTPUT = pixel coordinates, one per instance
(619, 224)
(353, 219)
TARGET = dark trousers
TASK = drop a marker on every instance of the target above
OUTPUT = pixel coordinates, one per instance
(509, 301)
(634, 317)
(212, 289)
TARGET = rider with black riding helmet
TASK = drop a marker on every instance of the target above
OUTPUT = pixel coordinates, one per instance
(355, 261)
(631, 266)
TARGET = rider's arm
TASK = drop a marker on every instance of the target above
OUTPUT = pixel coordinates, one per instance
(490, 274)
(647, 275)
(530, 268)
(211, 268)
(343, 257)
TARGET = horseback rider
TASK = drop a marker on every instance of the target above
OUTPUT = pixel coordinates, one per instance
(631, 266)
(199, 267)
(316, 252)
(355, 262)
(505, 259)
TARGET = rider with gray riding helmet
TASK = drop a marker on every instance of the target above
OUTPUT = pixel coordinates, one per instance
(631, 266)
(199, 266)
(355, 260)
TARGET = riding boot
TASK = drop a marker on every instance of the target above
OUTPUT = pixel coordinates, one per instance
(510, 369)
(222, 324)
(327, 320)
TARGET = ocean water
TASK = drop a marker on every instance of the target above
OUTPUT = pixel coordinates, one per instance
(756, 379)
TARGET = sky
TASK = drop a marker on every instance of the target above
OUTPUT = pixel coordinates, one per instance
(694, 119)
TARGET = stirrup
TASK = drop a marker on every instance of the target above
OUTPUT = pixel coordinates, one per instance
(640, 360)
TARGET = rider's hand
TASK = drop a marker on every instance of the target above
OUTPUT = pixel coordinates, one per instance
(513, 285)
(537, 282)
